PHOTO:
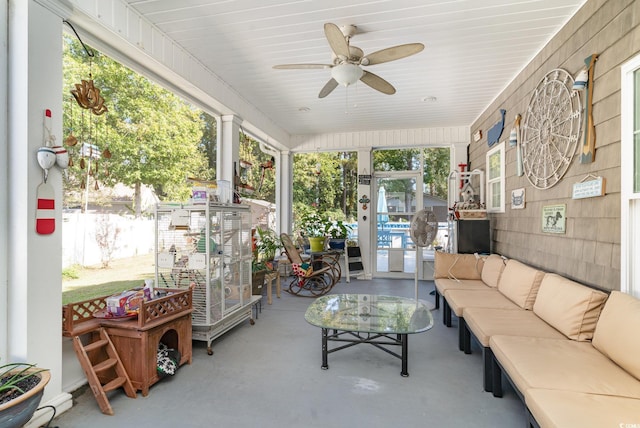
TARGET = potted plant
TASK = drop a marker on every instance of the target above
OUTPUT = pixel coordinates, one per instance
(264, 252)
(312, 226)
(267, 243)
(21, 389)
(338, 232)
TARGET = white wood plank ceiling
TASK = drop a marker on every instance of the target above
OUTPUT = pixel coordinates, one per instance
(473, 49)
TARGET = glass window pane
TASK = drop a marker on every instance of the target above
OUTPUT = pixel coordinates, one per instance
(636, 100)
(396, 160)
(495, 195)
(636, 162)
(494, 165)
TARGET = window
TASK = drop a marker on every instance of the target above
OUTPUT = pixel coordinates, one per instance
(495, 179)
(630, 176)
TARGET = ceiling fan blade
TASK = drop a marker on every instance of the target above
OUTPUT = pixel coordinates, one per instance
(336, 40)
(328, 88)
(392, 53)
(300, 66)
(378, 83)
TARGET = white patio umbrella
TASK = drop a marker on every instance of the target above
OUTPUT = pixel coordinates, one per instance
(382, 206)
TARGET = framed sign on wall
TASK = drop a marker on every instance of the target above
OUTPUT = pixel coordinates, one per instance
(554, 218)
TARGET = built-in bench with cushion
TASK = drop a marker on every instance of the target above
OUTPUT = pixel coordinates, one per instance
(571, 357)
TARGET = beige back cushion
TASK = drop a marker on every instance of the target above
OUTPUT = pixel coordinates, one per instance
(571, 308)
(457, 266)
(617, 335)
(492, 269)
(520, 283)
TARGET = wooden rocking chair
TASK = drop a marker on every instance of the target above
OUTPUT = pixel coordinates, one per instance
(312, 278)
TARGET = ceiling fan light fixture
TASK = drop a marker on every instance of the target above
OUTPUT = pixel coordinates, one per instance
(346, 74)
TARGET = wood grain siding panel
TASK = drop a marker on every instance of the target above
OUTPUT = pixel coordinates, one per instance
(157, 44)
(105, 11)
(119, 17)
(589, 251)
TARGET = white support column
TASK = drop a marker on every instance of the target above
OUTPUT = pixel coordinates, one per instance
(284, 202)
(33, 261)
(4, 186)
(458, 155)
(365, 166)
(228, 147)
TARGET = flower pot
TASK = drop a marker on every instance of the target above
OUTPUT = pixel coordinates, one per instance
(18, 411)
(336, 243)
(257, 282)
(317, 243)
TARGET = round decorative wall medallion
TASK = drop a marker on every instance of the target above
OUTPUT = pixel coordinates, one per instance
(551, 129)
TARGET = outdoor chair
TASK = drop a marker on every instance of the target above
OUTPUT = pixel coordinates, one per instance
(311, 278)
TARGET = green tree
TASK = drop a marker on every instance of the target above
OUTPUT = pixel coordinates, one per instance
(153, 136)
(325, 182)
(259, 172)
(208, 143)
(398, 160)
(436, 171)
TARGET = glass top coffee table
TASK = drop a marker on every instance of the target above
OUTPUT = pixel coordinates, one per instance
(382, 321)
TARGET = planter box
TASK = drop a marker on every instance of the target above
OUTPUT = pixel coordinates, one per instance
(472, 214)
(257, 282)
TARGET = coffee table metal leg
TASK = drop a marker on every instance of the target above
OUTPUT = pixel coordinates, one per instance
(405, 350)
(325, 365)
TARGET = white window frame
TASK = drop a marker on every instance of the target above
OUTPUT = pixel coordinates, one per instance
(630, 200)
(496, 151)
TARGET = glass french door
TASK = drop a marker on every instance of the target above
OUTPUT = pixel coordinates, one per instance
(396, 200)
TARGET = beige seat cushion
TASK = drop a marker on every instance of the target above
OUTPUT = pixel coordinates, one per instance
(458, 300)
(553, 408)
(617, 333)
(533, 362)
(457, 266)
(492, 269)
(569, 307)
(487, 322)
(520, 283)
(444, 284)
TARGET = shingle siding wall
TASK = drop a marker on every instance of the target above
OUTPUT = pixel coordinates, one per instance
(589, 251)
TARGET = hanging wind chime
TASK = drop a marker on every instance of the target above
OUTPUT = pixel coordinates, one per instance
(88, 97)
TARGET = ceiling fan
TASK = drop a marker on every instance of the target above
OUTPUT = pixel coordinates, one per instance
(347, 61)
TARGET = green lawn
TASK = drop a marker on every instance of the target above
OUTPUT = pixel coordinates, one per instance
(92, 291)
(95, 281)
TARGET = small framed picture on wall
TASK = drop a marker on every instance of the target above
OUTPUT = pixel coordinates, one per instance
(517, 199)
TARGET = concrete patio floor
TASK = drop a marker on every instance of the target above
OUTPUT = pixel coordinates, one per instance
(269, 375)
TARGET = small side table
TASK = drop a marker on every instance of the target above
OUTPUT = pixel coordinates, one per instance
(268, 279)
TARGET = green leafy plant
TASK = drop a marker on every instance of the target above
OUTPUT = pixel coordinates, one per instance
(267, 243)
(312, 225)
(337, 229)
(71, 272)
(12, 377)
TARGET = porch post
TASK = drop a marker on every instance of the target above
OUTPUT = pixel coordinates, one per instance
(33, 261)
(284, 195)
(458, 156)
(228, 148)
(365, 166)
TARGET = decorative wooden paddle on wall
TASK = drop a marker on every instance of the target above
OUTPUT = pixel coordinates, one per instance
(519, 171)
(589, 143)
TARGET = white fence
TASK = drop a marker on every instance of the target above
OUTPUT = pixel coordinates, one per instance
(119, 237)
